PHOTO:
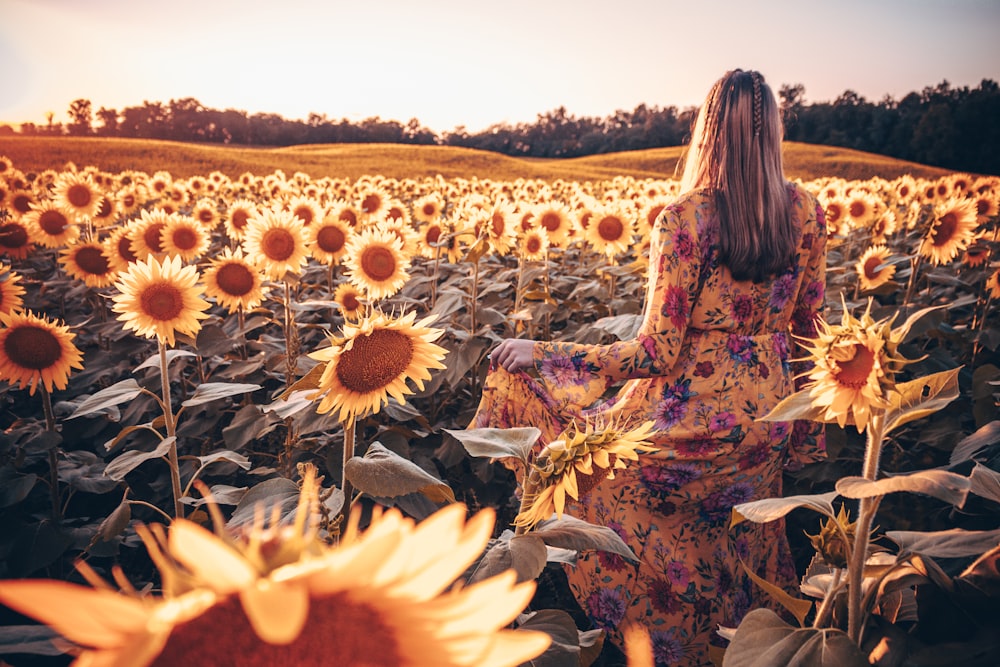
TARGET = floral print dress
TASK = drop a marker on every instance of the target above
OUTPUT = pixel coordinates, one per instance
(710, 357)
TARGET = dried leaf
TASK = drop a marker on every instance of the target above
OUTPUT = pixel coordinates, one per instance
(525, 554)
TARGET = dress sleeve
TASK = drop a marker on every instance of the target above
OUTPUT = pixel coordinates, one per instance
(807, 443)
(581, 373)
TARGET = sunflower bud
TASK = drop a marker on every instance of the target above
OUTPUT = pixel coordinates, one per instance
(829, 542)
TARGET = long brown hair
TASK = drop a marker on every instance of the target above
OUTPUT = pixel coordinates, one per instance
(735, 152)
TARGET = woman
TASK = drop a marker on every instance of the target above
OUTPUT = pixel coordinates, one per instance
(737, 266)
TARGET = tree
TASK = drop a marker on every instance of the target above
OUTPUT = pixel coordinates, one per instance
(81, 114)
(109, 122)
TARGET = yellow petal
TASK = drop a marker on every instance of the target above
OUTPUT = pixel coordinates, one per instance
(212, 561)
(87, 616)
(277, 610)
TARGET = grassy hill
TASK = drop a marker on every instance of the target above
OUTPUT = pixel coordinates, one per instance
(32, 154)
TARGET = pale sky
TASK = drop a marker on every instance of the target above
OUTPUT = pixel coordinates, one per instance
(466, 62)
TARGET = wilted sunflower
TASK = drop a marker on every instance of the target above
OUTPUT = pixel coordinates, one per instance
(376, 263)
(15, 242)
(11, 290)
(88, 262)
(533, 245)
(328, 239)
(350, 301)
(233, 281)
(160, 300)
(276, 240)
(854, 368)
(237, 218)
(373, 360)
(379, 598)
(609, 231)
(50, 226)
(35, 351)
(951, 230)
(873, 267)
(76, 192)
(184, 237)
(575, 462)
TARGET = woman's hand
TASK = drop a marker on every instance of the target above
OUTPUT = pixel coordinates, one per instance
(513, 354)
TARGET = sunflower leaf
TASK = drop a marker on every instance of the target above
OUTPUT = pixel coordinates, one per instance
(953, 543)
(383, 473)
(769, 509)
(116, 394)
(275, 492)
(567, 532)
(921, 397)
(763, 639)
(525, 554)
(308, 382)
(211, 391)
(154, 361)
(941, 484)
(797, 406)
(498, 443)
(129, 461)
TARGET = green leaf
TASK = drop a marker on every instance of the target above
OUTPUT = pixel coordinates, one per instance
(525, 554)
(941, 484)
(211, 391)
(154, 361)
(129, 461)
(225, 455)
(385, 474)
(569, 532)
(278, 492)
(769, 509)
(116, 394)
(764, 640)
(969, 446)
(797, 406)
(921, 397)
(953, 543)
(222, 494)
(498, 443)
(13, 487)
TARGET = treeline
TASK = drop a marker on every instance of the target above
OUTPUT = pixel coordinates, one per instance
(953, 128)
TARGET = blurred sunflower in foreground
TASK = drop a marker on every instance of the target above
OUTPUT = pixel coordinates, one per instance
(373, 360)
(281, 596)
(576, 461)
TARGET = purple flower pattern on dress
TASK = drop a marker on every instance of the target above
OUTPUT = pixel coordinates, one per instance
(606, 607)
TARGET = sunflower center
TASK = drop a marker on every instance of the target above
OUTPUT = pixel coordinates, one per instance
(277, 244)
(371, 203)
(498, 224)
(433, 234)
(13, 235)
(378, 263)
(854, 372)
(945, 229)
(185, 238)
(395, 213)
(375, 360)
(52, 222)
(152, 236)
(304, 213)
(330, 239)
(533, 245)
(32, 347)
(234, 279)
(610, 228)
(833, 213)
(125, 249)
(872, 265)
(205, 216)
(104, 210)
(239, 219)
(21, 203)
(79, 195)
(162, 301)
(857, 209)
(551, 221)
(92, 260)
(338, 631)
(348, 216)
(429, 209)
(350, 302)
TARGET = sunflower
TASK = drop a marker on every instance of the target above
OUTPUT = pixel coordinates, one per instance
(118, 248)
(854, 368)
(430, 234)
(184, 237)
(35, 351)
(233, 281)
(609, 231)
(11, 290)
(350, 301)
(378, 598)
(993, 284)
(397, 210)
(160, 300)
(951, 230)
(428, 208)
(206, 212)
(987, 205)
(347, 212)
(884, 226)
(457, 241)
(373, 360)
(130, 199)
(21, 201)
(591, 453)
(861, 208)
(873, 267)
(376, 263)
(374, 202)
(77, 193)
(649, 215)
(407, 236)
(976, 255)
(835, 210)
(498, 225)
(277, 241)
(50, 226)
(328, 239)
(305, 209)
(533, 245)
(88, 262)
(107, 212)
(905, 188)
(15, 242)
(6, 165)
(555, 219)
(238, 217)
(145, 233)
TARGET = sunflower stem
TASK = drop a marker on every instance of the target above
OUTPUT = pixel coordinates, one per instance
(862, 533)
(50, 425)
(347, 455)
(518, 290)
(979, 330)
(915, 262)
(168, 419)
(434, 275)
(826, 608)
(241, 322)
(547, 284)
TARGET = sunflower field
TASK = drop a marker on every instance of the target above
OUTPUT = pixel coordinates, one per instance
(201, 378)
